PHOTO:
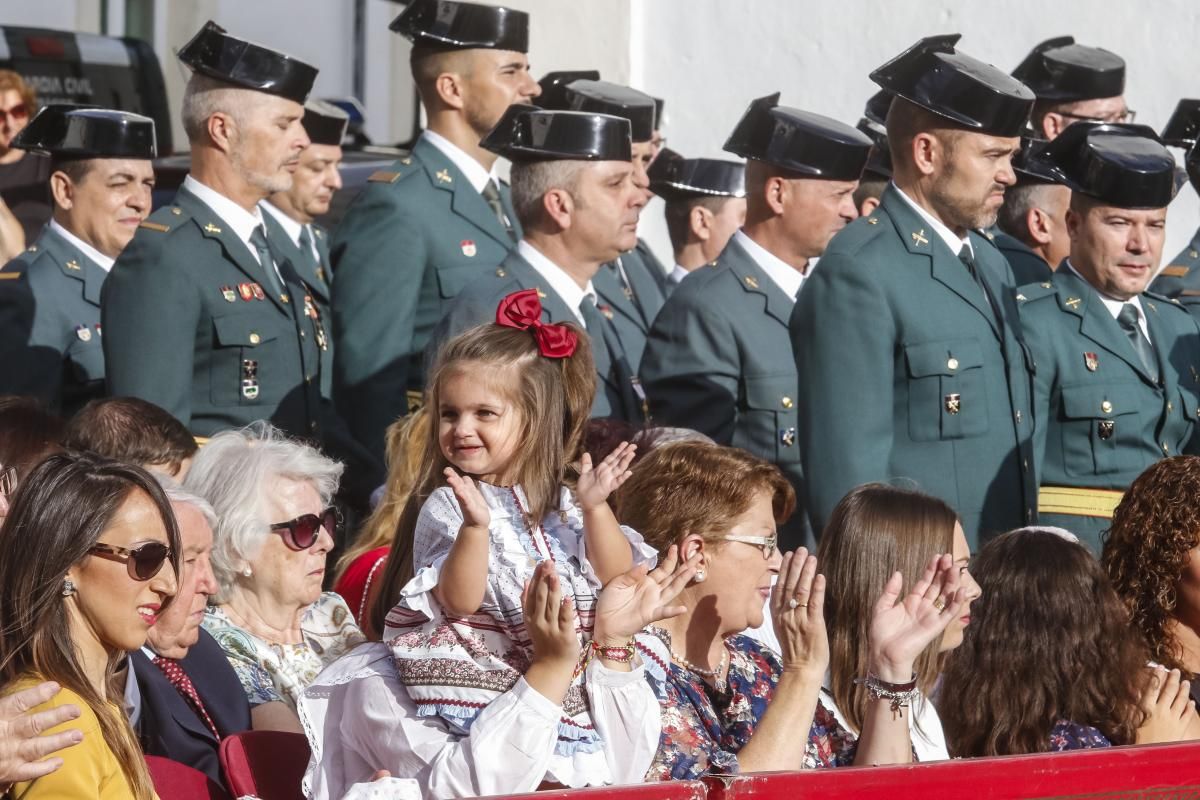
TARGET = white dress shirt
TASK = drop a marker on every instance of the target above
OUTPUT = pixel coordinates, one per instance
(784, 275)
(557, 279)
(292, 228)
(104, 262)
(678, 274)
(360, 719)
(474, 172)
(1114, 306)
(241, 221)
(952, 240)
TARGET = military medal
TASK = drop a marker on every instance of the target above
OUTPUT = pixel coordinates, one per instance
(249, 379)
(98, 331)
(73, 265)
(1091, 361)
(1106, 428)
(229, 294)
(245, 291)
(83, 332)
(605, 310)
(787, 436)
(258, 292)
(310, 310)
(468, 248)
(953, 403)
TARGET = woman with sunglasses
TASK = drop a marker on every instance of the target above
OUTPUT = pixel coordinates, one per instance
(275, 527)
(87, 562)
(732, 704)
(24, 197)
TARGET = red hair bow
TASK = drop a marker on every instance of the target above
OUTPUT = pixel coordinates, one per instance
(523, 311)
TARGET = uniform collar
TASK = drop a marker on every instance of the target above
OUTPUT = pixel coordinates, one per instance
(92, 254)
(239, 219)
(290, 226)
(948, 236)
(677, 275)
(559, 281)
(474, 172)
(1114, 305)
(786, 277)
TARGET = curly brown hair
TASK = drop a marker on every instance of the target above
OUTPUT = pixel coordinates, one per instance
(1153, 530)
(1049, 640)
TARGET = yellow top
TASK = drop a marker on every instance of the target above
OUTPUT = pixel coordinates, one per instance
(90, 770)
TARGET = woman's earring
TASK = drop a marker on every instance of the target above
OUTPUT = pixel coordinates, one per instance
(68, 587)
(700, 576)
(247, 572)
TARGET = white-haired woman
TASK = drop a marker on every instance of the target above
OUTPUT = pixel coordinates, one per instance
(275, 526)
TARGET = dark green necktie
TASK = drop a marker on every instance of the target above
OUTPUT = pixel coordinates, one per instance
(491, 193)
(1128, 320)
(259, 239)
(968, 259)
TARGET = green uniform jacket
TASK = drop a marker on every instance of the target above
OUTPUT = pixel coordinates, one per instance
(50, 342)
(179, 333)
(1101, 419)
(314, 277)
(1180, 279)
(719, 360)
(410, 241)
(905, 374)
(476, 305)
(632, 301)
(1027, 266)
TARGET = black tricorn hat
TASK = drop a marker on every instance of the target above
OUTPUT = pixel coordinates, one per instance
(659, 106)
(78, 132)
(603, 97)
(529, 133)
(1060, 69)
(874, 124)
(324, 122)
(1030, 166)
(799, 141)
(215, 53)
(554, 86)
(451, 25)
(1120, 165)
(1183, 130)
(957, 87)
(673, 177)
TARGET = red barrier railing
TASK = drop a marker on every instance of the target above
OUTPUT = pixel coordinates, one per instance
(1156, 772)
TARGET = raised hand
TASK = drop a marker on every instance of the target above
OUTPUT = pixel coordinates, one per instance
(901, 628)
(475, 510)
(23, 745)
(595, 485)
(800, 625)
(549, 619)
(635, 599)
(1170, 711)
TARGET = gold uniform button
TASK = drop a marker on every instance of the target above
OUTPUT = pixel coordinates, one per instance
(952, 363)
(255, 338)
(1166, 450)
(301, 334)
(308, 378)
(1170, 406)
(1106, 407)
(1018, 417)
(176, 210)
(500, 273)
(312, 426)
(786, 402)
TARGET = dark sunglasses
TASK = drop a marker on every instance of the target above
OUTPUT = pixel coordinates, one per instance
(19, 111)
(143, 561)
(302, 532)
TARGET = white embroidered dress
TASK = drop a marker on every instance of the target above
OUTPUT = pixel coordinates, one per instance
(453, 668)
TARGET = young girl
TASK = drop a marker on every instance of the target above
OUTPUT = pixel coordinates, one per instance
(510, 403)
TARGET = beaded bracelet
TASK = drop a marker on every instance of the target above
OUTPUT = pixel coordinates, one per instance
(900, 695)
(622, 654)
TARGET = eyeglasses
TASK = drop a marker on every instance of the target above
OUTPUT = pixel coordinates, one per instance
(143, 561)
(765, 543)
(302, 532)
(17, 112)
(8, 481)
(1119, 118)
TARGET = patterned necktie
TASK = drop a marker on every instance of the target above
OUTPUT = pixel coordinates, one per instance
(183, 684)
(259, 239)
(491, 193)
(1128, 320)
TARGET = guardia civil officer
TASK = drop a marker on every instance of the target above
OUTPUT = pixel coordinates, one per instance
(1118, 369)
(578, 203)
(704, 202)
(201, 316)
(290, 218)
(878, 171)
(1033, 220)
(1180, 279)
(630, 286)
(101, 180)
(909, 360)
(1073, 83)
(437, 220)
(719, 356)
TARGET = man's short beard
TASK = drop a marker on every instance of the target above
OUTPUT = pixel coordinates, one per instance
(268, 184)
(956, 212)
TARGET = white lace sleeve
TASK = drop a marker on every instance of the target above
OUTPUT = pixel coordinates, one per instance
(437, 527)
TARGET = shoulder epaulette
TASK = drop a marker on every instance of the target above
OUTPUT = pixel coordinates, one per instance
(383, 176)
(1174, 271)
(10, 276)
(1035, 291)
(154, 226)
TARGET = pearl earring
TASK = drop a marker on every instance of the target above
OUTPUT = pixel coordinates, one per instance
(68, 588)
(247, 572)
(700, 576)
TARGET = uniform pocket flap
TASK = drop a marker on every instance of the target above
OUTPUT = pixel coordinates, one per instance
(452, 280)
(942, 358)
(772, 392)
(242, 330)
(1098, 402)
